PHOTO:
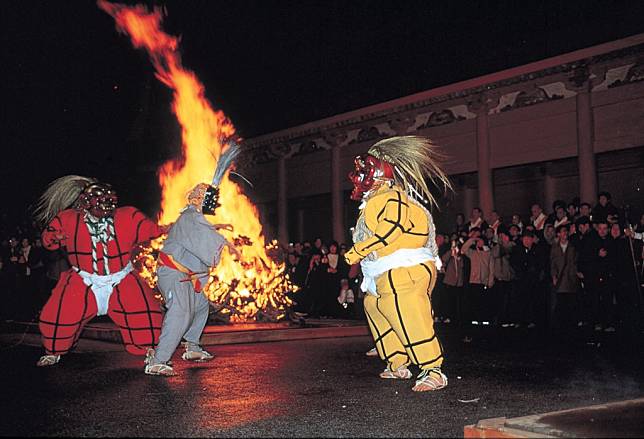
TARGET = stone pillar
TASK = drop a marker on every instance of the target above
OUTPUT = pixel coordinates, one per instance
(585, 152)
(486, 188)
(336, 140)
(469, 200)
(337, 202)
(549, 189)
(300, 225)
(282, 202)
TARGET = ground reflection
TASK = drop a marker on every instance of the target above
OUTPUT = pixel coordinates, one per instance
(236, 388)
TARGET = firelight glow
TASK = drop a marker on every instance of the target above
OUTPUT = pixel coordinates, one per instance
(254, 287)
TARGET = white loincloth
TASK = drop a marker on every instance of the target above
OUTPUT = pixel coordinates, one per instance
(405, 257)
(102, 286)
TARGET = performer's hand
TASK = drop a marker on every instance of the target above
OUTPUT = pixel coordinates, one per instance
(228, 227)
(629, 232)
(352, 256)
(58, 238)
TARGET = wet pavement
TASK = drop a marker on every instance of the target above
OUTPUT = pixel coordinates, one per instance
(310, 388)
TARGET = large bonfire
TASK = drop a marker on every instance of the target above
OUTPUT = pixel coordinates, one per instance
(255, 287)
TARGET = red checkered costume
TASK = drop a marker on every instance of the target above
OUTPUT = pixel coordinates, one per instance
(131, 305)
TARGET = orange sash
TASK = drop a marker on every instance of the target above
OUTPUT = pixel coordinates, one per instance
(168, 261)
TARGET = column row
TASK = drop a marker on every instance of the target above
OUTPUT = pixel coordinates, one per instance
(586, 164)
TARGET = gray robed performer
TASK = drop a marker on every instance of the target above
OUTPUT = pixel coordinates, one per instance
(192, 248)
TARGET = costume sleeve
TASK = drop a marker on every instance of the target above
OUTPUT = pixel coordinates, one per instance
(146, 229)
(53, 234)
(205, 242)
(391, 212)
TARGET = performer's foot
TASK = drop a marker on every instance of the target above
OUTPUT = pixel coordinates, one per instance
(48, 360)
(372, 353)
(149, 356)
(155, 368)
(196, 353)
(162, 369)
(430, 379)
(402, 373)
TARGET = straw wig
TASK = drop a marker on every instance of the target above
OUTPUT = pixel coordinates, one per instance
(414, 158)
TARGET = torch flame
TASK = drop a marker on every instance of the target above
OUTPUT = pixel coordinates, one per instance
(256, 284)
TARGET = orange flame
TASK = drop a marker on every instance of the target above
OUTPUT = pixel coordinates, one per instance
(258, 283)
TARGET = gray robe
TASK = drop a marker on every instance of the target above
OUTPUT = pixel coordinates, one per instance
(194, 243)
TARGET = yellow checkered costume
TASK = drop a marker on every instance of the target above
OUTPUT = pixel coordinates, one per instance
(395, 228)
(400, 318)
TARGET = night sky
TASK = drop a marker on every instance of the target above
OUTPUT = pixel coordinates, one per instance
(77, 98)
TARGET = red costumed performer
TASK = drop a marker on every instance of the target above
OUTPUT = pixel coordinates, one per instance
(80, 215)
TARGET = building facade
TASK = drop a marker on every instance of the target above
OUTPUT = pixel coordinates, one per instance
(560, 128)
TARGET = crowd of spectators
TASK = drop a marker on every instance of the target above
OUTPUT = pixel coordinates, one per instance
(28, 272)
(322, 275)
(573, 266)
(570, 267)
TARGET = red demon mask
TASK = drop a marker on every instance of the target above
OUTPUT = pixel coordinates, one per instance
(99, 199)
(369, 172)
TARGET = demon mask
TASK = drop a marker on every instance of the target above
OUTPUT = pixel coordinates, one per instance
(205, 198)
(99, 199)
(369, 174)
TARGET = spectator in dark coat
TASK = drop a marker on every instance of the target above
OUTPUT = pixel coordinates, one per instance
(527, 261)
(603, 279)
(452, 288)
(629, 254)
(604, 211)
(584, 241)
(503, 277)
(563, 271)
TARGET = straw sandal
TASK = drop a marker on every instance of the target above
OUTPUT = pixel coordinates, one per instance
(402, 373)
(48, 360)
(159, 369)
(430, 379)
(196, 353)
(152, 368)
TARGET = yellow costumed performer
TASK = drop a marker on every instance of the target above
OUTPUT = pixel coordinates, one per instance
(394, 241)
